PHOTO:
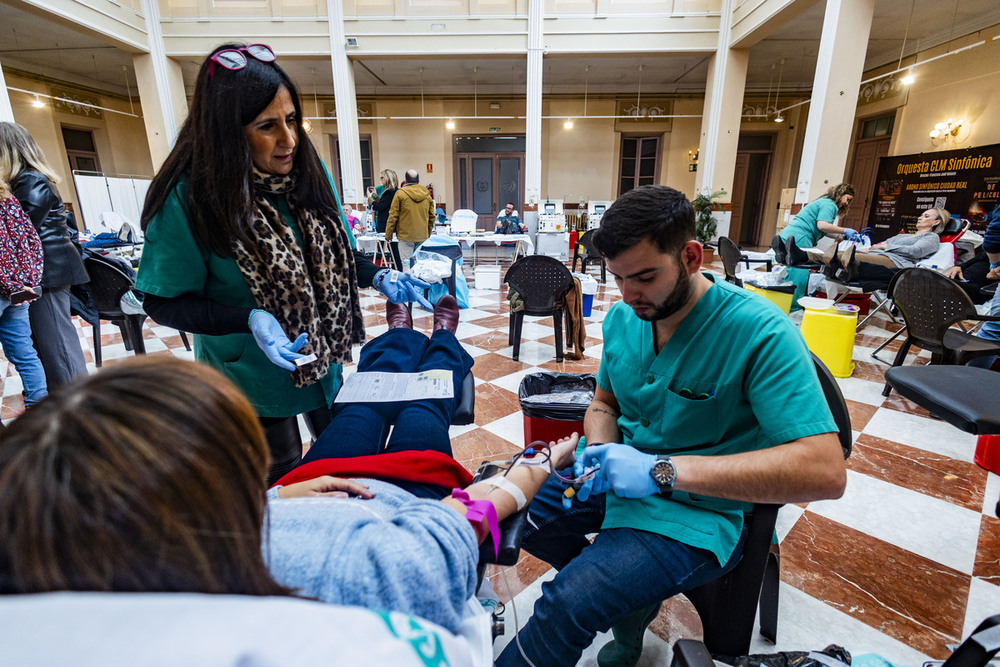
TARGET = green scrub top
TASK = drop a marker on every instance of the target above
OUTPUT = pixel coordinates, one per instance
(174, 263)
(736, 376)
(803, 225)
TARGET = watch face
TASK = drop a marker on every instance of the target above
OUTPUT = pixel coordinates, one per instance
(663, 473)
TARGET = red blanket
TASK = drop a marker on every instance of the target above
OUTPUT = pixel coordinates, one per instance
(430, 467)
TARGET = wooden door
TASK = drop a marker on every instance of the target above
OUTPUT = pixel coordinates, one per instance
(739, 196)
(487, 181)
(864, 169)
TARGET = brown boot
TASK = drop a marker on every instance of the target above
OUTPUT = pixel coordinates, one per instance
(397, 316)
(446, 313)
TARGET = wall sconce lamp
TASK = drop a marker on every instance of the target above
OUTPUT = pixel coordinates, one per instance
(947, 131)
(307, 125)
(693, 156)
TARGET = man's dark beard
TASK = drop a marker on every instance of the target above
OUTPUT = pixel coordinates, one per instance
(676, 300)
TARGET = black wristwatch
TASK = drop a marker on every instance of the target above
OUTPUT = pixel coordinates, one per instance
(663, 473)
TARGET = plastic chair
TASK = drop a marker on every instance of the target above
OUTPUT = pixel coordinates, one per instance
(108, 284)
(452, 251)
(542, 283)
(930, 304)
(728, 604)
(464, 221)
(732, 256)
(589, 255)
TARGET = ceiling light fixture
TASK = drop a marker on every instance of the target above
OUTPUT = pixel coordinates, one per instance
(38, 103)
(450, 124)
(568, 124)
(908, 79)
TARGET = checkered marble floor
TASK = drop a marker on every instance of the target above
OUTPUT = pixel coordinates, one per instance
(903, 565)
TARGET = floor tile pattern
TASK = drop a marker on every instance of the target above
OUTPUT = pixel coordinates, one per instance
(902, 565)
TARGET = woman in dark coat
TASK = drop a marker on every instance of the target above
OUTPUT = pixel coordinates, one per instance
(33, 181)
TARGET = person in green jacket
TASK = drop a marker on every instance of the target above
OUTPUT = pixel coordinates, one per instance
(246, 239)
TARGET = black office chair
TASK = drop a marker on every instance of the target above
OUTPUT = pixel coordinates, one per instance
(108, 283)
(589, 254)
(542, 283)
(727, 605)
(963, 396)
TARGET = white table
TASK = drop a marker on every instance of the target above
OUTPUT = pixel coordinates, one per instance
(380, 247)
(523, 245)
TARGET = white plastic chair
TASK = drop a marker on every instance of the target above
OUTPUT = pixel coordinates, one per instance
(464, 220)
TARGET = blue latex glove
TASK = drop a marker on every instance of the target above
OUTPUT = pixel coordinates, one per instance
(401, 287)
(850, 234)
(595, 484)
(272, 340)
(624, 470)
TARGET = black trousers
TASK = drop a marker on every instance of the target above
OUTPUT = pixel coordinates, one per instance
(56, 339)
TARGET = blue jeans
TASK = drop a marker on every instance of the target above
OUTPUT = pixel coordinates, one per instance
(15, 336)
(991, 332)
(599, 584)
(360, 429)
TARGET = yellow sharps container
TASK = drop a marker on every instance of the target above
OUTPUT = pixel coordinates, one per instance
(829, 333)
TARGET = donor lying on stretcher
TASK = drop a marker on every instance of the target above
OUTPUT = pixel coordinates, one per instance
(149, 476)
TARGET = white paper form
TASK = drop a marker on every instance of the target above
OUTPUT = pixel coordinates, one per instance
(376, 387)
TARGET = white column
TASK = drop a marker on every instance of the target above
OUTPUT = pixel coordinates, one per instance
(346, 100)
(720, 123)
(6, 110)
(163, 108)
(839, 66)
(533, 121)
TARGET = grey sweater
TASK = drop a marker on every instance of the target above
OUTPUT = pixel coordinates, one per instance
(393, 552)
(905, 250)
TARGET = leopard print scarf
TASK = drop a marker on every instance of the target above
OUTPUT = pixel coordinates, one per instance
(309, 288)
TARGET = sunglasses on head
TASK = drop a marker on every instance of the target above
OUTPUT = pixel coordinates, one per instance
(233, 59)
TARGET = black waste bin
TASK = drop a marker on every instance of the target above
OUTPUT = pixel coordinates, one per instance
(554, 404)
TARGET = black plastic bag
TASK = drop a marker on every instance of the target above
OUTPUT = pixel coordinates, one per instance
(560, 396)
(831, 656)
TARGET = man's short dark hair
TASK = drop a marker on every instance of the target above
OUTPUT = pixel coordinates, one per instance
(510, 203)
(655, 212)
(412, 176)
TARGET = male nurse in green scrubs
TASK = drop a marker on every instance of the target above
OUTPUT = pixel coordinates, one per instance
(707, 401)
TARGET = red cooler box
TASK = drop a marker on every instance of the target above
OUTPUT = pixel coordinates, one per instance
(554, 404)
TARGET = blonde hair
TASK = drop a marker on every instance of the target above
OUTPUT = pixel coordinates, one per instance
(944, 217)
(392, 181)
(4, 189)
(18, 151)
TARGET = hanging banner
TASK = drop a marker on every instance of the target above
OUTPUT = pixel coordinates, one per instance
(965, 182)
